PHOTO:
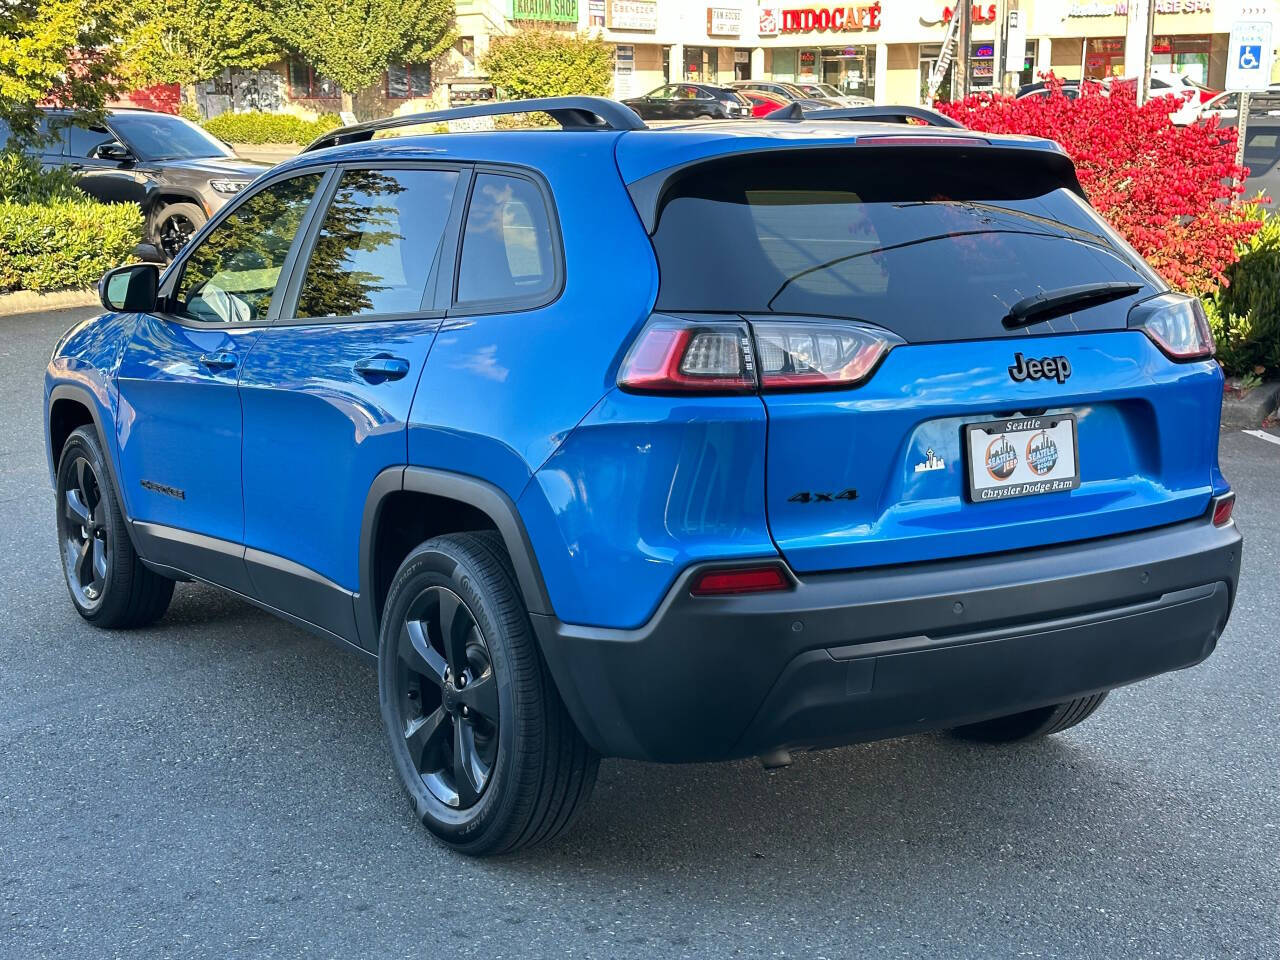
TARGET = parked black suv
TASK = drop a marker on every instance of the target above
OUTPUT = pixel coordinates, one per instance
(690, 101)
(177, 172)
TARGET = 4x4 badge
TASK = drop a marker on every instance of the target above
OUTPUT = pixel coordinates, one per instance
(1046, 368)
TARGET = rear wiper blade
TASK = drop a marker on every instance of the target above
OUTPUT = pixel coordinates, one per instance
(1057, 303)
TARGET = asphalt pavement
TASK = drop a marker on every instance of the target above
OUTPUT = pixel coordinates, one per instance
(217, 786)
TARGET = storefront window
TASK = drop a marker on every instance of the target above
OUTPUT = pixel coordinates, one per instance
(1104, 57)
(700, 64)
(1188, 56)
(851, 70)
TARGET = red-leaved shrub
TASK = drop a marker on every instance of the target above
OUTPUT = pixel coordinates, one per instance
(1168, 189)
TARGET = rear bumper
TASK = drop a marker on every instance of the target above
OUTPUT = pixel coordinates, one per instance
(861, 656)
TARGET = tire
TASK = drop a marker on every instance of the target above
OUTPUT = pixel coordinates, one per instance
(174, 225)
(1032, 724)
(527, 771)
(108, 583)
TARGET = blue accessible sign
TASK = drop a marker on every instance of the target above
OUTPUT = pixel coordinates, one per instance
(1249, 56)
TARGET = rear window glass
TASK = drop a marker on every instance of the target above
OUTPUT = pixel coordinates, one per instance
(507, 249)
(929, 242)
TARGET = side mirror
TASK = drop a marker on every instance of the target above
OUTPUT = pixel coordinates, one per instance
(112, 150)
(131, 288)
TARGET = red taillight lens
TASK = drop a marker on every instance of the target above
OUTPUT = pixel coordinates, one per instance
(758, 579)
(1223, 507)
(799, 354)
(687, 356)
(1177, 324)
(672, 356)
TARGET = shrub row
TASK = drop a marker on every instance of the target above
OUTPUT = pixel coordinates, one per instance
(257, 127)
(1245, 314)
(64, 243)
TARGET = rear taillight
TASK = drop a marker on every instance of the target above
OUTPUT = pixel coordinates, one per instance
(1176, 323)
(672, 355)
(1223, 507)
(802, 354)
(675, 356)
(755, 579)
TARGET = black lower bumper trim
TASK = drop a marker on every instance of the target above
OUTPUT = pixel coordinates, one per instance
(876, 653)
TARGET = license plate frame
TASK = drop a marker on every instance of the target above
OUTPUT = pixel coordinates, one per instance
(1023, 480)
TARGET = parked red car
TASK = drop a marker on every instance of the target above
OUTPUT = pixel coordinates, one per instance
(763, 103)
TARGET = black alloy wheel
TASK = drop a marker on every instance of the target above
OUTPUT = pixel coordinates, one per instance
(478, 735)
(82, 531)
(448, 697)
(175, 231)
(109, 584)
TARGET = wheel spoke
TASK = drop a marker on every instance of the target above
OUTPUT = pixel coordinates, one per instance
(418, 654)
(82, 478)
(481, 696)
(469, 773)
(455, 624)
(84, 563)
(99, 559)
(420, 734)
(77, 511)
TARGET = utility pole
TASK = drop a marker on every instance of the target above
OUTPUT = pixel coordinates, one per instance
(964, 46)
(1144, 91)
(997, 48)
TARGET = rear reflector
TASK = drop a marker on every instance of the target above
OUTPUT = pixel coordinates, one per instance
(1222, 509)
(719, 583)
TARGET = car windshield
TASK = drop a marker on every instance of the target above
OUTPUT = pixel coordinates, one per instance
(159, 136)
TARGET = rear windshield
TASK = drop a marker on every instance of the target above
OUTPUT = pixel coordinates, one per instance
(932, 243)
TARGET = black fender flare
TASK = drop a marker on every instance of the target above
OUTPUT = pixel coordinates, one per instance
(85, 398)
(466, 489)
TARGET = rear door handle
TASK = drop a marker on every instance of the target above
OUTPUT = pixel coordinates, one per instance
(222, 360)
(382, 367)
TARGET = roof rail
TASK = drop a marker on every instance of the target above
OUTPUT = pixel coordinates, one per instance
(794, 112)
(572, 113)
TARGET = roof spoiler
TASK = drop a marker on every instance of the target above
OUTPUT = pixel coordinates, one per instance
(572, 113)
(794, 112)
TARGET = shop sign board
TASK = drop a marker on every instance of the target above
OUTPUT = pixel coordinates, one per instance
(724, 21)
(633, 15)
(775, 20)
(544, 11)
(1120, 8)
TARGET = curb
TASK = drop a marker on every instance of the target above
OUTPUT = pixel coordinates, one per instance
(28, 301)
(1251, 409)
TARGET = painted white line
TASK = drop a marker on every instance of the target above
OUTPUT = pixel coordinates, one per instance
(1262, 435)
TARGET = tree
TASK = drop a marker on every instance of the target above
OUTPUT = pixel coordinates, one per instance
(57, 51)
(547, 63)
(1169, 190)
(353, 41)
(188, 41)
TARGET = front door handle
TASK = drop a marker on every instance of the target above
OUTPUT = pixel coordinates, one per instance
(222, 360)
(382, 367)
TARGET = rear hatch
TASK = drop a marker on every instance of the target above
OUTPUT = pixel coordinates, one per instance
(992, 421)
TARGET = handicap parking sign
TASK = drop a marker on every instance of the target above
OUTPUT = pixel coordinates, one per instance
(1249, 59)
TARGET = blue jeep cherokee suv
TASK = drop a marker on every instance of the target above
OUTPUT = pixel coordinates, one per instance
(676, 445)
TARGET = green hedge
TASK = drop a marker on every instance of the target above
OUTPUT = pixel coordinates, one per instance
(1245, 314)
(269, 127)
(64, 244)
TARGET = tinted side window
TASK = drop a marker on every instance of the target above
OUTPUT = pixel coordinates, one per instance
(507, 249)
(82, 141)
(380, 238)
(231, 276)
